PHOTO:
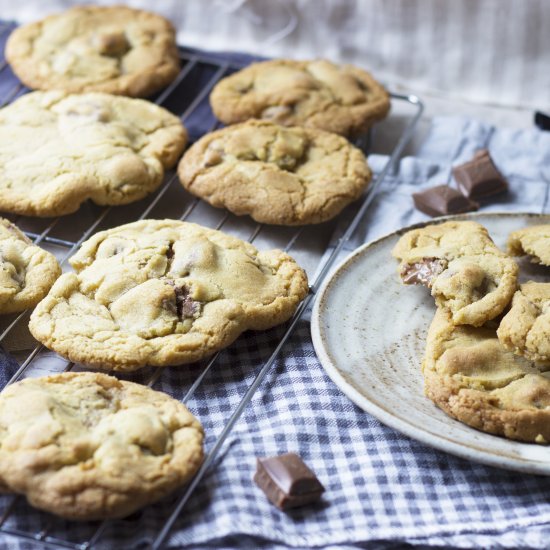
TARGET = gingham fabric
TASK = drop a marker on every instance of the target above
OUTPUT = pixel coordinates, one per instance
(383, 490)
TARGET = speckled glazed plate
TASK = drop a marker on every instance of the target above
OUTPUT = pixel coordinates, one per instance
(369, 333)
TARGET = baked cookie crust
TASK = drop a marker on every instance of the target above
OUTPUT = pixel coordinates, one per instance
(164, 292)
(466, 272)
(58, 150)
(474, 379)
(525, 329)
(277, 175)
(533, 241)
(87, 446)
(112, 49)
(342, 99)
(27, 271)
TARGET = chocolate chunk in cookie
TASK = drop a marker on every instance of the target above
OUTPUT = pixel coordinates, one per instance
(423, 272)
(468, 275)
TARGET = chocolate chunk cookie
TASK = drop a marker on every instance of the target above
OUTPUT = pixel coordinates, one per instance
(474, 379)
(278, 175)
(113, 49)
(525, 329)
(466, 272)
(26, 271)
(58, 149)
(533, 241)
(164, 292)
(342, 99)
(88, 446)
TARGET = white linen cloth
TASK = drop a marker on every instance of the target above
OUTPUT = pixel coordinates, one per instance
(488, 51)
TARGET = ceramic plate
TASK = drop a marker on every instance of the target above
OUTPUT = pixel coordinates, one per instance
(369, 333)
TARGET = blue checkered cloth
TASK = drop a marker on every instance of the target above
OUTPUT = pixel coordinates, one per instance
(383, 490)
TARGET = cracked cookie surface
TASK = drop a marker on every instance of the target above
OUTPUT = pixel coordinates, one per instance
(277, 175)
(58, 150)
(116, 49)
(525, 329)
(533, 241)
(164, 292)
(342, 99)
(473, 378)
(466, 272)
(87, 446)
(27, 271)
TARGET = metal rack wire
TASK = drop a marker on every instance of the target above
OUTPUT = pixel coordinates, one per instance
(50, 233)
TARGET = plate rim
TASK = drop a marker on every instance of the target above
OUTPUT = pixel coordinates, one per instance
(439, 442)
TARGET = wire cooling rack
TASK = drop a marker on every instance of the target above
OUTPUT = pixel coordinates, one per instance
(187, 96)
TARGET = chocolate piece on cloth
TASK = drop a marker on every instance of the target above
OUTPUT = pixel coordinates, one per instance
(479, 178)
(442, 200)
(287, 481)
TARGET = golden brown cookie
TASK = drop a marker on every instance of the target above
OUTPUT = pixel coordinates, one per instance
(58, 150)
(466, 272)
(87, 446)
(525, 329)
(473, 378)
(319, 94)
(164, 292)
(533, 241)
(113, 49)
(26, 271)
(277, 175)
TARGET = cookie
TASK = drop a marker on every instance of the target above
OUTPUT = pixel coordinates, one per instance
(26, 271)
(277, 175)
(87, 446)
(533, 241)
(525, 329)
(112, 49)
(473, 378)
(58, 150)
(164, 292)
(319, 94)
(466, 272)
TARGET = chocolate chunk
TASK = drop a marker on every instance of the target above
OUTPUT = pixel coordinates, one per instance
(422, 273)
(212, 157)
(542, 121)
(186, 307)
(111, 44)
(479, 178)
(287, 481)
(441, 200)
